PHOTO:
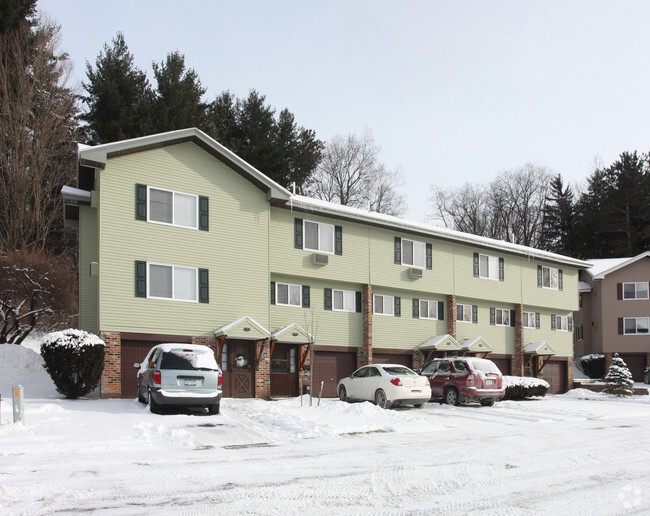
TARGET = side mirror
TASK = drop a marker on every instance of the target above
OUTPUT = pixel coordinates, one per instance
(136, 365)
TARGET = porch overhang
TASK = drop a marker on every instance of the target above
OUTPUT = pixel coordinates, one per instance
(440, 343)
(292, 334)
(476, 345)
(540, 349)
(245, 328)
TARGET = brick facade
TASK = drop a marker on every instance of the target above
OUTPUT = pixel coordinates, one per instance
(517, 364)
(263, 370)
(364, 353)
(110, 385)
(451, 316)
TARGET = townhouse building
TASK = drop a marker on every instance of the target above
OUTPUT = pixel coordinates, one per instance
(182, 241)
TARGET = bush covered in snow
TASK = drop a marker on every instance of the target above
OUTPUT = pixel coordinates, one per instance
(75, 361)
(593, 365)
(521, 387)
(619, 379)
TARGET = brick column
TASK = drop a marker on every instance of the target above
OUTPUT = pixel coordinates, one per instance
(569, 369)
(364, 354)
(451, 316)
(517, 364)
(110, 385)
(263, 371)
(304, 377)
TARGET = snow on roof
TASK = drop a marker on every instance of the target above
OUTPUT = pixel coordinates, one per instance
(224, 329)
(476, 344)
(583, 286)
(294, 328)
(539, 348)
(602, 267)
(441, 341)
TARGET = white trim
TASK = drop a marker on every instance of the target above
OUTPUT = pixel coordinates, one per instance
(384, 298)
(173, 285)
(354, 300)
(463, 319)
(602, 268)
(174, 193)
(318, 237)
(636, 325)
(635, 283)
(428, 301)
(502, 311)
(289, 285)
(491, 260)
(424, 253)
(527, 326)
(550, 277)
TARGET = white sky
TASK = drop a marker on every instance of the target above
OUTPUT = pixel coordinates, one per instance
(454, 91)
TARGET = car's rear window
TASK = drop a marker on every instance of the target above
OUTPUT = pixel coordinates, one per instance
(187, 360)
(486, 366)
(396, 371)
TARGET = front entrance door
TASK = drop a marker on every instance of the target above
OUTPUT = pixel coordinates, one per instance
(284, 370)
(238, 366)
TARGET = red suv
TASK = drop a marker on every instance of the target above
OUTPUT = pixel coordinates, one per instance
(457, 380)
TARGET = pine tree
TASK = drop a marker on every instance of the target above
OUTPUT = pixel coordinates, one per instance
(619, 379)
(16, 13)
(119, 96)
(558, 215)
(177, 103)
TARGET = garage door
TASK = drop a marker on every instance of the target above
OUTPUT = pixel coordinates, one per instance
(329, 367)
(390, 358)
(503, 364)
(555, 373)
(636, 365)
(132, 351)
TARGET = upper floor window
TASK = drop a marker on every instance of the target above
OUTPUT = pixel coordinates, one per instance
(161, 281)
(549, 277)
(344, 300)
(429, 309)
(501, 317)
(635, 325)
(531, 320)
(467, 313)
(638, 290)
(386, 305)
(288, 294)
(319, 236)
(488, 267)
(175, 208)
(413, 253)
(561, 323)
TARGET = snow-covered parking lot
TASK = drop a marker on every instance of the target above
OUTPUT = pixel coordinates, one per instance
(579, 453)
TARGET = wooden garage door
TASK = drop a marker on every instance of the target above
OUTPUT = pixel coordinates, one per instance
(390, 358)
(330, 367)
(555, 373)
(132, 351)
(636, 364)
(502, 363)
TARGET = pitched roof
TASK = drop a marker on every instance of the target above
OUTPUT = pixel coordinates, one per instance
(603, 267)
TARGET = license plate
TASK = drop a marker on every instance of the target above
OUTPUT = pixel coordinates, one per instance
(190, 383)
(489, 382)
(416, 390)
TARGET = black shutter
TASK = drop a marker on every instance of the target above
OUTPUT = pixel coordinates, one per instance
(537, 321)
(476, 266)
(305, 296)
(273, 292)
(441, 310)
(501, 270)
(570, 321)
(620, 326)
(359, 302)
(416, 308)
(328, 299)
(512, 318)
(552, 322)
(140, 279)
(297, 239)
(560, 282)
(539, 275)
(619, 291)
(204, 286)
(204, 206)
(141, 202)
(474, 314)
(493, 316)
(338, 240)
(398, 306)
(398, 250)
(429, 256)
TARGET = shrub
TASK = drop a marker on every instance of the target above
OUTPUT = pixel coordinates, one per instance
(522, 387)
(619, 379)
(593, 365)
(74, 359)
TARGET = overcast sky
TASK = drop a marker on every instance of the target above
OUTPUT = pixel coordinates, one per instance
(454, 91)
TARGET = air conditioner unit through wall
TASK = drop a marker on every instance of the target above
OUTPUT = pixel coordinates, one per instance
(415, 273)
(320, 259)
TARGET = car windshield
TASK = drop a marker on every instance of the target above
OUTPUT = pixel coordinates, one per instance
(397, 371)
(188, 360)
(486, 366)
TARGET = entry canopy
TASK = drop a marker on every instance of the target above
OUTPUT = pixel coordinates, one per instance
(476, 345)
(539, 348)
(292, 333)
(244, 328)
(441, 343)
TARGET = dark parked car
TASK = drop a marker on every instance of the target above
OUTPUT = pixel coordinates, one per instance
(457, 380)
(181, 375)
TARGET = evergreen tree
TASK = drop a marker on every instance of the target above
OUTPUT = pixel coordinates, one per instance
(619, 379)
(177, 103)
(16, 13)
(119, 96)
(557, 222)
(221, 121)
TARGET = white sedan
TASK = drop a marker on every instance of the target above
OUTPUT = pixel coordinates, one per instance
(386, 385)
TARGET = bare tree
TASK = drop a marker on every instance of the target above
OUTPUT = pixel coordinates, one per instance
(36, 136)
(351, 174)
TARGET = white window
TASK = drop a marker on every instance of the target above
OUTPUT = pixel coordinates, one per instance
(428, 309)
(636, 325)
(174, 208)
(464, 313)
(319, 236)
(550, 278)
(562, 322)
(488, 267)
(530, 320)
(172, 282)
(344, 300)
(288, 295)
(384, 305)
(501, 317)
(414, 253)
(638, 290)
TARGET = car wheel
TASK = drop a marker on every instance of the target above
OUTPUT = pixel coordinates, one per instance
(487, 403)
(451, 397)
(141, 398)
(214, 409)
(154, 407)
(380, 399)
(419, 405)
(343, 395)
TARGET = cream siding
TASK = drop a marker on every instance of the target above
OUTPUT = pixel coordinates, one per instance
(88, 285)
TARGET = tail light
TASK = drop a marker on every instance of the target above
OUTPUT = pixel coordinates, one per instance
(470, 381)
(156, 377)
(220, 381)
(396, 381)
(428, 383)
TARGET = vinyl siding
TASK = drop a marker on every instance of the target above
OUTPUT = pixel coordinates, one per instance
(88, 285)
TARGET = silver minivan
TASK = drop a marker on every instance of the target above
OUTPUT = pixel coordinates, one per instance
(181, 375)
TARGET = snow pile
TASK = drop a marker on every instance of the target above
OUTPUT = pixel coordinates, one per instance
(18, 363)
(71, 338)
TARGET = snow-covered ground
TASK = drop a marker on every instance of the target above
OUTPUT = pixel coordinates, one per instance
(579, 453)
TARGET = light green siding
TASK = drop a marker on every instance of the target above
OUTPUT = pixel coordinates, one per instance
(234, 250)
(561, 341)
(88, 285)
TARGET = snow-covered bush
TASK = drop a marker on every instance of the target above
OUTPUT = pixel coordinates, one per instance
(521, 387)
(619, 379)
(74, 359)
(593, 365)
